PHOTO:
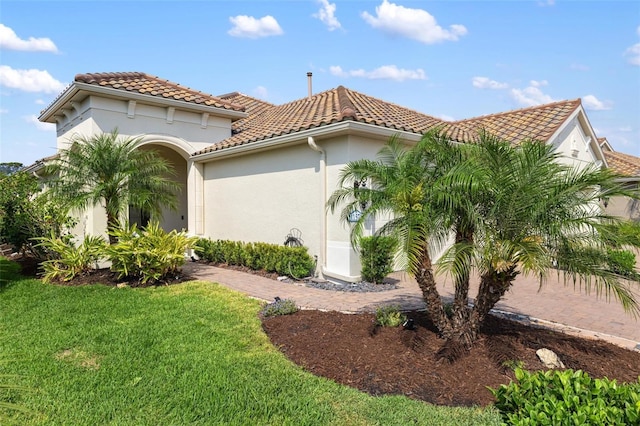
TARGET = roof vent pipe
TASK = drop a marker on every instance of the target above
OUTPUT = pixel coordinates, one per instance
(309, 75)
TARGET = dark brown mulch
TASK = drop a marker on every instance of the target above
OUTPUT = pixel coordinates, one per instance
(350, 350)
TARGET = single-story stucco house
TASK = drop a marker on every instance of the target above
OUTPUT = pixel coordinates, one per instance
(253, 171)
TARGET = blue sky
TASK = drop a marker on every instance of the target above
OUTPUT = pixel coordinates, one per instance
(453, 59)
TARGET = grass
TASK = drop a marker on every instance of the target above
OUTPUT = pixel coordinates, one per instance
(187, 354)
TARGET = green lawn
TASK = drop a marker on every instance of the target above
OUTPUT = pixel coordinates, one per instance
(187, 354)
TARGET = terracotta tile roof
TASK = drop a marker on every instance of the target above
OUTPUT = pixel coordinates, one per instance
(623, 164)
(331, 106)
(538, 122)
(252, 106)
(153, 86)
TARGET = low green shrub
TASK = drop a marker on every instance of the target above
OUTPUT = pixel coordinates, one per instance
(279, 307)
(294, 262)
(66, 261)
(389, 316)
(621, 262)
(376, 257)
(148, 254)
(567, 397)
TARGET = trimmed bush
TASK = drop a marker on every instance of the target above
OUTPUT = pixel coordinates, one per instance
(376, 257)
(567, 397)
(294, 262)
(150, 254)
(279, 307)
(66, 261)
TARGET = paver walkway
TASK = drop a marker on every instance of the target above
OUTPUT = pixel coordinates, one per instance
(554, 305)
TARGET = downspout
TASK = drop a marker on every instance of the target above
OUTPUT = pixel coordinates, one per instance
(322, 261)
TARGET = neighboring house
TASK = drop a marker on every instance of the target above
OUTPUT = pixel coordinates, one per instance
(252, 170)
(627, 166)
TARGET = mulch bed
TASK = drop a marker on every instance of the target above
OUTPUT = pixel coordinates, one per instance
(384, 360)
(351, 350)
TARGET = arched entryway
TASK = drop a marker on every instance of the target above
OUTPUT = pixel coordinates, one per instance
(177, 158)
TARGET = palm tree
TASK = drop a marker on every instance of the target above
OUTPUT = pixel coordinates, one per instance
(107, 170)
(505, 209)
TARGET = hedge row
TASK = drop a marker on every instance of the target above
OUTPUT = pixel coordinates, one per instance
(294, 262)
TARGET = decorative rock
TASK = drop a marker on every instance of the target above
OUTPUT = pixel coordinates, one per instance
(549, 358)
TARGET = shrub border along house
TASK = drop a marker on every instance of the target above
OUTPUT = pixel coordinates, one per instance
(293, 262)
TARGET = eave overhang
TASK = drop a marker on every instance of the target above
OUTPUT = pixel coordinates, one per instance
(318, 133)
(78, 91)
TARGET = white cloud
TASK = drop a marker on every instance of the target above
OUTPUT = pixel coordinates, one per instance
(531, 95)
(547, 3)
(446, 117)
(486, 83)
(40, 102)
(250, 27)
(261, 92)
(4, 111)
(45, 127)
(416, 24)
(31, 80)
(592, 103)
(388, 72)
(10, 40)
(326, 14)
(540, 83)
(633, 54)
(625, 129)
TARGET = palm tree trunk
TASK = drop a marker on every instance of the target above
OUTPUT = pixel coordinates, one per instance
(493, 285)
(427, 283)
(112, 223)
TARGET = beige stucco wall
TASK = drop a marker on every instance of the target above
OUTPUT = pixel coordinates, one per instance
(262, 196)
(575, 145)
(98, 114)
(624, 207)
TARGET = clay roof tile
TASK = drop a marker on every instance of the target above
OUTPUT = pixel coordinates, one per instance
(153, 86)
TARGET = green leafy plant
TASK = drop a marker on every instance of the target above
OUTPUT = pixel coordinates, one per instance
(26, 213)
(66, 261)
(567, 397)
(376, 257)
(621, 262)
(279, 307)
(148, 254)
(389, 316)
(513, 364)
(294, 262)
